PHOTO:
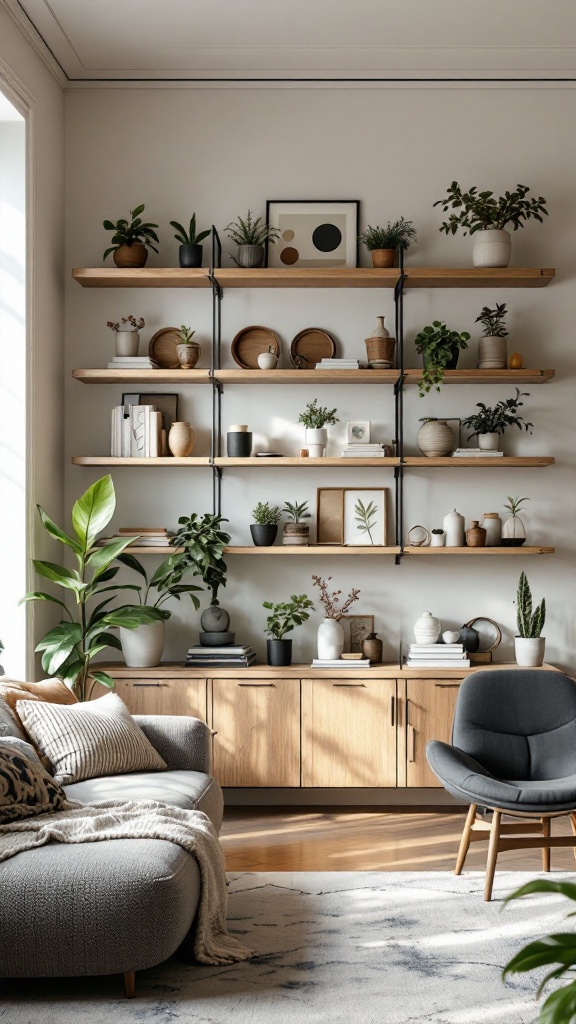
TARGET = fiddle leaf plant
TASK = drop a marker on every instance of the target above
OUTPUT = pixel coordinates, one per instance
(69, 648)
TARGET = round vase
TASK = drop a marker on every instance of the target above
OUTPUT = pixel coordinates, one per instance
(250, 255)
(330, 640)
(513, 532)
(267, 360)
(130, 255)
(493, 525)
(316, 439)
(470, 638)
(383, 257)
(492, 248)
(262, 535)
(127, 343)
(435, 439)
(215, 619)
(489, 442)
(181, 439)
(492, 353)
(188, 355)
(427, 629)
(372, 648)
(476, 535)
(529, 650)
(454, 529)
(142, 647)
(296, 534)
(190, 255)
(279, 652)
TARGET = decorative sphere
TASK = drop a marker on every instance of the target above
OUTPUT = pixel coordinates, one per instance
(215, 620)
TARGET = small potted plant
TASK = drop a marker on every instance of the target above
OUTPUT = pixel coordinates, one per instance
(265, 525)
(188, 350)
(296, 533)
(330, 632)
(203, 542)
(486, 217)
(315, 419)
(190, 251)
(382, 243)
(492, 347)
(126, 335)
(513, 529)
(528, 643)
(440, 349)
(131, 239)
(250, 234)
(282, 619)
(488, 424)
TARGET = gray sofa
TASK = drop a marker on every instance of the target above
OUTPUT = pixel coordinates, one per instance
(111, 907)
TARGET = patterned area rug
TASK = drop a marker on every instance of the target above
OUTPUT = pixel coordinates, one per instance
(339, 947)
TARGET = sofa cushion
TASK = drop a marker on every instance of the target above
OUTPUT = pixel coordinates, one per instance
(52, 691)
(26, 788)
(9, 722)
(99, 737)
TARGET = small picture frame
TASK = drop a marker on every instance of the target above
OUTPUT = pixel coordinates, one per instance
(313, 232)
(358, 432)
(356, 629)
(166, 403)
(351, 515)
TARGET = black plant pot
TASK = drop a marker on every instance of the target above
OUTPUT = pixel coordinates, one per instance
(190, 255)
(279, 652)
(239, 444)
(452, 363)
(263, 536)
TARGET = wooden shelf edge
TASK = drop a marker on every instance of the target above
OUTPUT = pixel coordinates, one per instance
(101, 375)
(288, 461)
(98, 375)
(505, 462)
(141, 277)
(523, 376)
(500, 552)
(169, 461)
(312, 550)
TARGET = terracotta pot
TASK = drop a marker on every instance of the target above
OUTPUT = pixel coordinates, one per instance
(383, 257)
(181, 439)
(296, 534)
(476, 535)
(130, 255)
(188, 355)
(436, 439)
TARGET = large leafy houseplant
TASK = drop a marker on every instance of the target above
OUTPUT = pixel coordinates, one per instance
(163, 585)
(480, 211)
(495, 420)
(439, 348)
(204, 542)
(69, 648)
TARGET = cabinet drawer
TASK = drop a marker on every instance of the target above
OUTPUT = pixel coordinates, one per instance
(257, 723)
(161, 696)
(429, 713)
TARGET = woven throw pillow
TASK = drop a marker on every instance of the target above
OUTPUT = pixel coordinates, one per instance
(26, 788)
(83, 741)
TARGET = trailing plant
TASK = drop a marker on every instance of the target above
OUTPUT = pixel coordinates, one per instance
(251, 230)
(265, 514)
(366, 516)
(295, 512)
(189, 237)
(316, 416)
(287, 615)
(502, 415)
(203, 541)
(492, 321)
(185, 334)
(398, 235)
(436, 343)
(331, 601)
(553, 951)
(128, 323)
(164, 584)
(69, 648)
(479, 211)
(132, 231)
(530, 623)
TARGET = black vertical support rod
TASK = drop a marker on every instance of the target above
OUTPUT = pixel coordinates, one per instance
(216, 364)
(399, 406)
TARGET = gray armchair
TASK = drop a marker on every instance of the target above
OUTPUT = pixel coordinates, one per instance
(513, 751)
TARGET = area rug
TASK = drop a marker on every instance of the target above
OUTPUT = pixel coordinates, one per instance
(331, 948)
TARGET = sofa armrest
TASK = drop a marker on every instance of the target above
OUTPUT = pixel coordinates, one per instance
(183, 742)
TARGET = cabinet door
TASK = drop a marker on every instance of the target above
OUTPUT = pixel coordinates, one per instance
(257, 724)
(429, 712)
(348, 732)
(164, 696)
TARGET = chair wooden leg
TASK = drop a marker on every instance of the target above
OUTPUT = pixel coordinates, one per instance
(573, 823)
(465, 841)
(130, 983)
(546, 849)
(492, 854)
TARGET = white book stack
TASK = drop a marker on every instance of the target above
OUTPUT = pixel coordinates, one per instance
(366, 451)
(339, 364)
(131, 363)
(478, 453)
(136, 432)
(436, 656)
(340, 663)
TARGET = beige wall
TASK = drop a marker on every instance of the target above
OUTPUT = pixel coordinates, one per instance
(221, 151)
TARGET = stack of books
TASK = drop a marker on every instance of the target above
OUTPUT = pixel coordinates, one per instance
(131, 363)
(340, 663)
(148, 536)
(340, 364)
(480, 453)
(367, 451)
(136, 432)
(206, 657)
(437, 656)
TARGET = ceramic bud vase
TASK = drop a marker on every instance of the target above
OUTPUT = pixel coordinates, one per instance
(454, 529)
(493, 525)
(475, 535)
(427, 629)
(436, 439)
(127, 343)
(316, 439)
(330, 640)
(492, 353)
(489, 442)
(181, 439)
(188, 355)
(143, 647)
(492, 248)
(529, 650)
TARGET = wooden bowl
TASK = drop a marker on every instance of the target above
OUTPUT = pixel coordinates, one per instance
(310, 346)
(250, 342)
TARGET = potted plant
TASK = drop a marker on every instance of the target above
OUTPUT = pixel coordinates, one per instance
(203, 542)
(315, 418)
(265, 525)
(190, 251)
(131, 239)
(70, 647)
(330, 632)
(513, 529)
(486, 217)
(440, 349)
(528, 643)
(188, 350)
(250, 234)
(492, 347)
(488, 424)
(295, 532)
(126, 335)
(282, 619)
(382, 243)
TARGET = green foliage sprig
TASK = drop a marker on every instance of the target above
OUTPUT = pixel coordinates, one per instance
(398, 235)
(265, 514)
(296, 512)
(492, 321)
(478, 211)
(185, 334)
(132, 231)
(502, 415)
(287, 615)
(204, 541)
(189, 237)
(530, 623)
(251, 230)
(317, 416)
(366, 516)
(514, 505)
(437, 343)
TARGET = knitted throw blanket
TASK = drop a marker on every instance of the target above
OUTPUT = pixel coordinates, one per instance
(143, 819)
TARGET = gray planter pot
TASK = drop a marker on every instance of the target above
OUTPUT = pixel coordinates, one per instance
(250, 255)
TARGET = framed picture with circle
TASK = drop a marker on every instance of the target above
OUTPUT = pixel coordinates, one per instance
(313, 233)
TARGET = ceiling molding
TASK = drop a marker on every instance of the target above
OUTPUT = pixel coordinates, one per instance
(20, 18)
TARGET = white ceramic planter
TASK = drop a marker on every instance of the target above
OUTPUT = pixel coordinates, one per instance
(492, 353)
(427, 629)
(529, 650)
(127, 343)
(330, 640)
(143, 647)
(488, 442)
(315, 440)
(438, 540)
(492, 248)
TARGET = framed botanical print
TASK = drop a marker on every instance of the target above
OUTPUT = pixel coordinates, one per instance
(313, 233)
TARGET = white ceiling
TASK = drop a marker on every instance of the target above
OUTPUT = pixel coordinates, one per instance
(196, 40)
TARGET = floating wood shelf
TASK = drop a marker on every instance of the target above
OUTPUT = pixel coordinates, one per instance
(334, 549)
(308, 463)
(477, 552)
(108, 460)
(307, 376)
(150, 550)
(144, 277)
(312, 550)
(480, 462)
(486, 376)
(103, 376)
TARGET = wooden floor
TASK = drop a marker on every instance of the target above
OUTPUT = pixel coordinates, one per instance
(262, 839)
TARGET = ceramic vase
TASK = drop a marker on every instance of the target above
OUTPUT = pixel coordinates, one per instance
(188, 355)
(454, 529)
(330, 640)
(316, 439)
(475, 535)
(488, 442)
(143, 647)
(267, 360)
(492, 353)
(513, 532)
(127, 343)
(130, 255)
(181, 439)
(427, 629)
(435, 439)
(493, 525)
(492, 248)
(529, 650)
(372, 648)
(215, 619)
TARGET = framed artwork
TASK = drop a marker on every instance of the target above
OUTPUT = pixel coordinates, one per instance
(358, 431)
(313, 232)
(167, 404)
(351, 515)
(356, 629)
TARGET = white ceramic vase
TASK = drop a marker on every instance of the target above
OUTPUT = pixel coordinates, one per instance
(267, 360)
(454, 529)
(492, 248)
(529, 650)
(436, 439)
(492, 523)
(181, 439)
(380, 331)
(492, 353)
(330, 640)
(127, 343)
(315, 440)
(143, 647)
(427, 629)
(489, 442)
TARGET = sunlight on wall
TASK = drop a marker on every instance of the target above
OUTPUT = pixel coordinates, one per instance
(12, 390)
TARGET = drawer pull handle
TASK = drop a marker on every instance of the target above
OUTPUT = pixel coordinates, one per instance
(349, 684)
(447, 686)
(392, 711)
(158, 685)
(261, 685)
(411, 743)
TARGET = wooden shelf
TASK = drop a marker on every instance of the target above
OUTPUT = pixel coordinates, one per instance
(486, 376)
(385, 670)
(478, 462)
(500, 552)
(333, 549)
(313, 550)
(294, 376)
(152, 277)
(107, 460)
(103, 376)
(307, 463)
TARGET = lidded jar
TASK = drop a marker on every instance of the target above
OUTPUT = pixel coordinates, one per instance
(493, 525)
(427, 629)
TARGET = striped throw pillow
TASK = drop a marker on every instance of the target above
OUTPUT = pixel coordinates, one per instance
(83, 741)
